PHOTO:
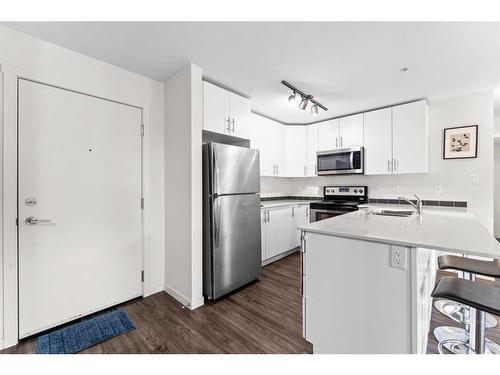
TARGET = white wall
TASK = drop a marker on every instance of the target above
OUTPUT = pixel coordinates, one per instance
(183, 194)
(453, 175)
(497, 180)
(22, 55)
(274, 186)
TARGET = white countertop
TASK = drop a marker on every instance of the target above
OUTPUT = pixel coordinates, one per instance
(446, 229)
(279, 203)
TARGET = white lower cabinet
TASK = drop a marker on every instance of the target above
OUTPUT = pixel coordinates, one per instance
(301, 217)
(279, 232)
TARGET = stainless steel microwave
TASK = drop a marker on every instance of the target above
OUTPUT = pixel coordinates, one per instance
(340, 161)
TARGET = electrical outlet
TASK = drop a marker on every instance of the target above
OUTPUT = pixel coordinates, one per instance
(438, 189)
(398, 257)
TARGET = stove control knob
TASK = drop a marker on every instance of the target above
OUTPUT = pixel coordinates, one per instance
(360, 191)
(355, 191)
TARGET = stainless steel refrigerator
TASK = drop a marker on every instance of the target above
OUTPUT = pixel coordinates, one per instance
(231, 218)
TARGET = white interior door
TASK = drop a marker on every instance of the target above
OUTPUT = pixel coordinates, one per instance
(80, 168)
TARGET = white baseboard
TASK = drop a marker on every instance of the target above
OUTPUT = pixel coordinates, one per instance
(177, 295)
(194, 304)
(154, 290)
(197, 302)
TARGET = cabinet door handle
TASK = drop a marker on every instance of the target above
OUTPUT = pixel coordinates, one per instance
(341, 142)
(336, 142)
(228, 126)
(388, 165)
(396, 165)
(307, 211)
(268, 218)
(232, 122)
(293, 211)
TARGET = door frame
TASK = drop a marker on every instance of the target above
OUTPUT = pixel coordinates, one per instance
(9, 94)
(139, 134)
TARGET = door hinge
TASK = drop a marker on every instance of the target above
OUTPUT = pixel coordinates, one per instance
(142, 203)
(142, 276)
(142, 130)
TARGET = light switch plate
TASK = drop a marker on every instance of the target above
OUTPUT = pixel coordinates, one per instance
(399, 256)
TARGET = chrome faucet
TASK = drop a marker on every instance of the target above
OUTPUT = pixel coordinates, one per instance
(417, 206)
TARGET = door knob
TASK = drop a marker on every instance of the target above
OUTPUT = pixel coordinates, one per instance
(33, 220)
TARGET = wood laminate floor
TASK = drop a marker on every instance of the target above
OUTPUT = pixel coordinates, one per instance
(265, 317)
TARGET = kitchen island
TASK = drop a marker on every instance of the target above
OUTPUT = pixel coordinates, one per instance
(367, 278)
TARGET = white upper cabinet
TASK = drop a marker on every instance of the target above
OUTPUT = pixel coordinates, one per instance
(240, 111)
(311, 149)
(225, 112)
(351, 131)
(378, 141)
(269, 137)
(396, 139)
(409, 135)
(296, 152)
(216, 116)
(328, 135)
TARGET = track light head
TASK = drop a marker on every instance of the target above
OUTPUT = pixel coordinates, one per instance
(314, 110)
(303, 103)
(292, 100)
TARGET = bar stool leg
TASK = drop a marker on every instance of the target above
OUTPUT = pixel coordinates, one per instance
(479, 335)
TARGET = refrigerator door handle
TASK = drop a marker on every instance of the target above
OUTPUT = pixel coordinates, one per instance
(216, 221)
(215, 189)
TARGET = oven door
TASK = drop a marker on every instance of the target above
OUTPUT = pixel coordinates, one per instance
(317, 215)
(341, 161)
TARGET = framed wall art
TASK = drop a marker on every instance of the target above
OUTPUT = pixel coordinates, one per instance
(460, 142)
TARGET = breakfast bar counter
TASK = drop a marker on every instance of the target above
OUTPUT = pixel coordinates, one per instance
(367, 278)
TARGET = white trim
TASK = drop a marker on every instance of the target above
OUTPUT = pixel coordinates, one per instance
(197, 302)
(155, 289)
(10, 287)
(265, 262)
(181, 298)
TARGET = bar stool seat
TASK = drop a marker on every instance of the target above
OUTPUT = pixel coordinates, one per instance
(475, 266)
(479, 296)
(483, 298)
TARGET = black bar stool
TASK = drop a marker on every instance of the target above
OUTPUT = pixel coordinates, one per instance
(457, 311)
(483, 298)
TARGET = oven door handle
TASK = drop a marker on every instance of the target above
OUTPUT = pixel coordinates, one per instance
(351, 159)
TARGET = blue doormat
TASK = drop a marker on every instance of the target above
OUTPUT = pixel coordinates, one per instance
(86, 333)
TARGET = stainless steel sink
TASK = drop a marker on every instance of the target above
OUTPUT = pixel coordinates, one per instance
(398, 213)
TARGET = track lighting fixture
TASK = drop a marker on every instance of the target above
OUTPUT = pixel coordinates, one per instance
(303, 103)
(305, 99)
(314, 110)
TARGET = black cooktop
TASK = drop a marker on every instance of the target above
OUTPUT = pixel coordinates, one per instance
(344, 198)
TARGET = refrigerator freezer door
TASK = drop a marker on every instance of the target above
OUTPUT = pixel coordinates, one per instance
(235, 170)
(236, 249)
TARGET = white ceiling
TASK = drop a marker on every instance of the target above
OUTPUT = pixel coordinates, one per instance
(348, 66)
